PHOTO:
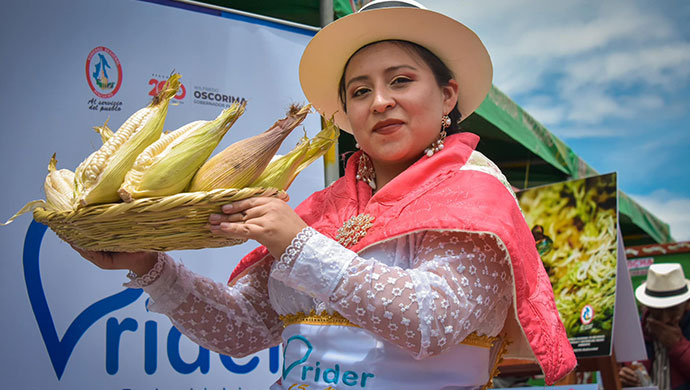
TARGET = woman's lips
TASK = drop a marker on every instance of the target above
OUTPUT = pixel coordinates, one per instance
(387, 126)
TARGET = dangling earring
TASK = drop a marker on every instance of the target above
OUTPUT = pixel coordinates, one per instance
(437, 145)
(365, 171)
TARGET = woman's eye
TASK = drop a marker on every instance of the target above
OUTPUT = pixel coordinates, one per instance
(359, 92)
(401, 80)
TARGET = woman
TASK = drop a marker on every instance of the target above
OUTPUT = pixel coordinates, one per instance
(416, 269)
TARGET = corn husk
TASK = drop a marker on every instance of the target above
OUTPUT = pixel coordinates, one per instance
(241, 163)
(104, 131)
(281, 172)
(59, 192)
(169, 164)
(59, 187)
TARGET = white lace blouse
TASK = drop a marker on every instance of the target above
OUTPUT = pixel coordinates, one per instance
(424, 292)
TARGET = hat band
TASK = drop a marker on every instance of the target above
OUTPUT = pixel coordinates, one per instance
(389, 4)
(662, 294)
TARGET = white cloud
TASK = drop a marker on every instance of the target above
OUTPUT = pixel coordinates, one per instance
(670, 208)
(588, 132)
(592, 106)
(601, 60)
(545, 110)
(651, 66)
(571, 37)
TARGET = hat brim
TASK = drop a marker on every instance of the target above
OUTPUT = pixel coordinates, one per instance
(324, 58)
(660, 302)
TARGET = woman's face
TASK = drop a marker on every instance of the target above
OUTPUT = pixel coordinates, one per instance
(394, 103)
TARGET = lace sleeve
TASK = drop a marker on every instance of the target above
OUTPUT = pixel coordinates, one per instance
(458, 283)
(235, 321)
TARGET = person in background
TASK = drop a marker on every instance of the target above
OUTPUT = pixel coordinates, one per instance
(666, 327)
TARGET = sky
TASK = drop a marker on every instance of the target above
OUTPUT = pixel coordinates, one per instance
(609, 78)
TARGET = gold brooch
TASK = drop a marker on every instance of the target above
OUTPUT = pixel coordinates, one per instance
(354, 229)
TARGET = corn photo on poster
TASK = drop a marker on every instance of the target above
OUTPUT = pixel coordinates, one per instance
(575, 228)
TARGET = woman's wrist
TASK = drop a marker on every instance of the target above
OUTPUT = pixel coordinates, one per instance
(142, 264)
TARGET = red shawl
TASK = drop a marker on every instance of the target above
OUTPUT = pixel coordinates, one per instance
(435, 194)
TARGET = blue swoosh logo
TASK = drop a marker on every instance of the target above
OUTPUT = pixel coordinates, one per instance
(60, 350)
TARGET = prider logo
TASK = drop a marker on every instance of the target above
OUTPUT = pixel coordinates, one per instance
(314, 372)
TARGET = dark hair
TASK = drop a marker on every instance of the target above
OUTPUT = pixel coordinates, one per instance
(441, 73)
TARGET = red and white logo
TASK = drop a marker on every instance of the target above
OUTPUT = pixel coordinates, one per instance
(103, 72)
(587, 315)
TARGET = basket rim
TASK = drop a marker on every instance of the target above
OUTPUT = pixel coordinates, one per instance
(188, 199)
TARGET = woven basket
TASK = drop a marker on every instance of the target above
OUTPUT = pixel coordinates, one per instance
(150, 224)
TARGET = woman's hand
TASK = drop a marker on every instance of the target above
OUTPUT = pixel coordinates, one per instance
(270, 221)
(138, 262)
(668, 335)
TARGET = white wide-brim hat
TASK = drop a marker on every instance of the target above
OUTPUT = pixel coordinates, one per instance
(458, 47)
(666, 286)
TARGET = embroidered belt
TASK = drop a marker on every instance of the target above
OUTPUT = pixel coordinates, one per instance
(336, 318)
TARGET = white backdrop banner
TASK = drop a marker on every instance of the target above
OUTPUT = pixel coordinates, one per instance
(70, 66)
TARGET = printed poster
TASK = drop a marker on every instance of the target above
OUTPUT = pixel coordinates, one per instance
(575, 227)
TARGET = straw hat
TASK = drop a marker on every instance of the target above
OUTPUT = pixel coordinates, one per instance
(323, 61)
(666, 286)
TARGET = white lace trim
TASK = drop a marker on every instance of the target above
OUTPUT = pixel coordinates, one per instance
(294, 249)
(317, 267)
(151, 276)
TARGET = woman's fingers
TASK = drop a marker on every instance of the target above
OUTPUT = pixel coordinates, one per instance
(216, 219)
(139, 262)
(241, 211)
(247, 204)
(628, 376)
(100, 259)
(238, 229)
(270, 221)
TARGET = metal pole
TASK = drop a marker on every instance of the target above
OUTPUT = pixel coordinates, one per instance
(325, 12)
(331, 165)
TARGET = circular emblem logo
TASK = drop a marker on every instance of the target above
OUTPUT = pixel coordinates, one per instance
(587, 315)
(103, 72)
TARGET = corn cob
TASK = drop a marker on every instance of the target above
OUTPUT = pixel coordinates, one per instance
(59, 187)
(98, 178)
(167, 166)
(242, 162)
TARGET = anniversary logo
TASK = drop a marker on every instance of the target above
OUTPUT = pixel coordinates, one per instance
(104, 76)
(157, 81)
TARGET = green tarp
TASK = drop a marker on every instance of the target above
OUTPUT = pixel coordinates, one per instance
(508, 117)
